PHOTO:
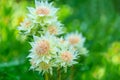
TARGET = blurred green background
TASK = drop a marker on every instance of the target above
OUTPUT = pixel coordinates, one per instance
(98, 20)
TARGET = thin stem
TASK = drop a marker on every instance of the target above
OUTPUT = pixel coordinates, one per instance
(59, 74)
(46, 76)
(72, 73)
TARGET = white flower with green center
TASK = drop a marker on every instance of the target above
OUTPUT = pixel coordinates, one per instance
(43, 12)
(44, 48)
(55, 28)
(42, 67)
(26, 26)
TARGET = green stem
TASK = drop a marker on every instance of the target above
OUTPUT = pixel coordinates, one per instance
(72, 73)
(59, 74)
(46, 76)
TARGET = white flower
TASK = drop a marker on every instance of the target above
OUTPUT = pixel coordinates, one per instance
(55, 28)
(43, 48)
(43, 53)
(42, 67)
(49, 50)
(75, 39)
(26, 26)
(43, 12)
(66, 57)
(44, 8)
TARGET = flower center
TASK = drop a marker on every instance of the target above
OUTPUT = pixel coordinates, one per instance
(42, 10)
(44, 66)
(74, 40)
(52, 29)
(66, 56)
(42, 47)
(27, 23)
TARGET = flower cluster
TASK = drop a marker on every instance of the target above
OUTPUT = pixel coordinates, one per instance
(48, 50)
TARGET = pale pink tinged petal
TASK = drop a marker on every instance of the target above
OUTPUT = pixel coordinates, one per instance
(37, 3)
(35, 38)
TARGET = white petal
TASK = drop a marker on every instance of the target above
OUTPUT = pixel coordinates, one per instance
(31, 10)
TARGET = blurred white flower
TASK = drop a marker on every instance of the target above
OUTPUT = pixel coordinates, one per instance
(26, 26)
(75, 39)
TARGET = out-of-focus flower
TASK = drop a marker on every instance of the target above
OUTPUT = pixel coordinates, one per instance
(26, 26)
(116, 59)
(75, 39)
(99, 73)
(113, 53)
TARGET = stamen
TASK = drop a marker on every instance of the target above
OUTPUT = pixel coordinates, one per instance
(66, 56)
(42, 10)
(42, 47)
